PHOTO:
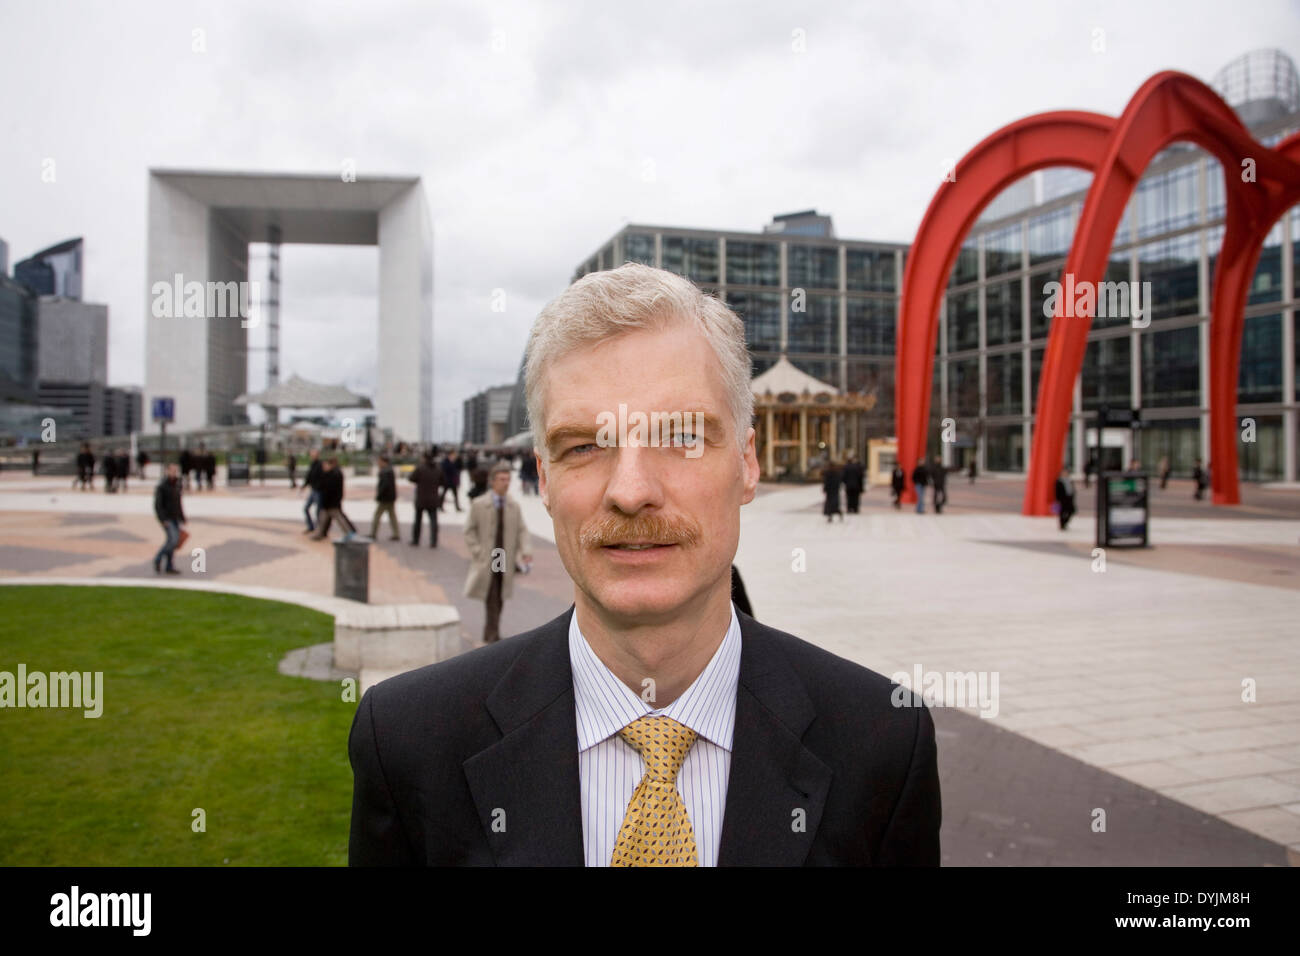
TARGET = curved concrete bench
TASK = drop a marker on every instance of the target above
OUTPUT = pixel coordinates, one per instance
(371, 641)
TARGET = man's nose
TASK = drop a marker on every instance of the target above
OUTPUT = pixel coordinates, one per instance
(635, 482)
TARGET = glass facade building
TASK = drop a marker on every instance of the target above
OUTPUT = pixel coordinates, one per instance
(830, 305)
(994, 328)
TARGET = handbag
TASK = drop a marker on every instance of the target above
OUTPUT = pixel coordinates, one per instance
(185, 536)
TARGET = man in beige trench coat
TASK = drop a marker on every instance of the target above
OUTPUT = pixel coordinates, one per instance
(497, 538)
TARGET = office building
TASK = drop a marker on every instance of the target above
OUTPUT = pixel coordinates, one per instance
(486, 416)
(993, 329)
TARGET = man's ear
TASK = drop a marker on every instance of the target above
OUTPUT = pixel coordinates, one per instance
(751, 469)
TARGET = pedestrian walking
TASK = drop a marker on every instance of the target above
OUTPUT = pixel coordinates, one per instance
(142, 462)
(920, 478)
(385, 499)
(86, 467)
(970, 468)
(832, 477)
(186, 463)
(498, 519)
(854, 476)
(1201, 476)
(427, 477)
(450, 479)
(1064, 498)
(210, 467)
(897, 482)
(331, 500)
(1165, 470)
(167, 509)
(939, 482)
(528, 473)
(123, 469)
(311, 484)
(109, 467)
(291, 462)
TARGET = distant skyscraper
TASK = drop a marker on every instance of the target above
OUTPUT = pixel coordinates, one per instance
(54, 271)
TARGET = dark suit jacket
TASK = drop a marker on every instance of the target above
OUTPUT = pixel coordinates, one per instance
(474, 761)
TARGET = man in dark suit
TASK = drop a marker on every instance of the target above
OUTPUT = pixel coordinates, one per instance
(427, 477)
(651, 723)
(1064, 498)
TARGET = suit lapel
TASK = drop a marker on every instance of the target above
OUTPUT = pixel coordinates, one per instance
(525, 786)
(777, 787)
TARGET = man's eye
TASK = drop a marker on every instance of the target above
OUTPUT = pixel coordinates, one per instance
(686, 438)
(581, 449)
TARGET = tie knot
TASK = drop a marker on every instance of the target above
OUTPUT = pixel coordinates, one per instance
(662, 743)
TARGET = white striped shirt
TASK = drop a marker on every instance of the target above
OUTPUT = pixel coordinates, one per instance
(610, 769)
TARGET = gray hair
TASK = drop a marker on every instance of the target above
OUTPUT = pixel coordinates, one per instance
(501, 465)
(602, 305)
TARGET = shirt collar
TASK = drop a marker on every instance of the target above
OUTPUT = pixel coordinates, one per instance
(605, 705)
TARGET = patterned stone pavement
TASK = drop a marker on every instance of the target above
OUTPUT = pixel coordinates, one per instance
(1119, 691)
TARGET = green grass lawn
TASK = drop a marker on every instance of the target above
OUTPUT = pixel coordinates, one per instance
(195, 715)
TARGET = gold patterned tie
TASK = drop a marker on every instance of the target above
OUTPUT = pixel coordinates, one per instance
(657, 829)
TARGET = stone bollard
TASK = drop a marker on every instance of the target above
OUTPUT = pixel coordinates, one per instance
(352, 569)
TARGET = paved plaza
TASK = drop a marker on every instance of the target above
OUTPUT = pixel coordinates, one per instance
(1120, 736)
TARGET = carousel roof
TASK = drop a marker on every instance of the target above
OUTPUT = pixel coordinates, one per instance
(785, 377)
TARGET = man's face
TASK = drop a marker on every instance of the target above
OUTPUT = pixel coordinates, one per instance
(500, 482)
(173, 472)
(681, 495)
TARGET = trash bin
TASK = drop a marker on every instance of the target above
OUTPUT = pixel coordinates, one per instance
(352, 569)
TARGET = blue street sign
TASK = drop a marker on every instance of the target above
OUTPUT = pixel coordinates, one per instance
(164, 409)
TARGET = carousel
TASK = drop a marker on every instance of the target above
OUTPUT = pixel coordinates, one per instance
(802, 422)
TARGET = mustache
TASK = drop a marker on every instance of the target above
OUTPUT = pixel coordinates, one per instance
(613, 528)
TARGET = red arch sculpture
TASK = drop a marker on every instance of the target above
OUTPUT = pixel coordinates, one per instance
(1168, 107)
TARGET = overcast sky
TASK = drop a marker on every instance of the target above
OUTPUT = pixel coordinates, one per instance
(539, 129)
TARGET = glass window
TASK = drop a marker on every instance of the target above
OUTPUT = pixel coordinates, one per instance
(1035, 373)
(1214, 193)
(1267, 284)
(1039, 324)
(639, 247)
(963, 320)
(1003, 312)
(1173, 269)
(1050, 236)
(964, 387)
(1006, 383)
(1171, 368)
(869, 270)
(1262, 459)
(1004, 448)
(1117, 312)
(1259, 376)
(816, 328)
(1295, 256)
(812, 267)
(876, 379)
(1177, 439)
(753, 263)
(1002, 250)
(696, 259)
(1167, 201)
(966, 268)
(761, 312)
(1106, 374)
(871, 325)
